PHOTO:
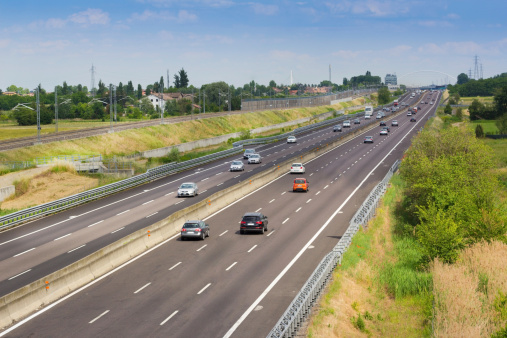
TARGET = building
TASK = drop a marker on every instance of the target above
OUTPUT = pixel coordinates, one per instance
(159, 99)
(391, 79)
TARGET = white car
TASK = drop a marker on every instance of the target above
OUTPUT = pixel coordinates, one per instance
(291, 139)
(379, 116)
(367, 117)
(346, 124)
(188, 189)
(255, 158)
(248, 152)
(409, 114)
(237, 166)
(297, 168)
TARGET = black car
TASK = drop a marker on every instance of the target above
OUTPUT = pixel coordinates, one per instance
(253, 221)
(337, 128)
(412, 119)
(382, 123)
(356, 121)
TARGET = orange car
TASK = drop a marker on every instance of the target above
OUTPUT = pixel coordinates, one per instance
(301, 184)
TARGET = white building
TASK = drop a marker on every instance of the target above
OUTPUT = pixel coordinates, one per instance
(391, 79)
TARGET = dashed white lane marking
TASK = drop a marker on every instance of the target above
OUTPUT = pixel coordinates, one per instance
(202, 247)
(118, 230)
(139, 290)
(172, 315)
(230, 266)
(298, 209)
(172, 192)
(62, 237)
(147, 202)
(19, 274)
(204, 179)
(24, 252)
(252, 248)
(79, 247)
(283, 193)
(95, 223)
(272, 200)
(318, 192)
(258, 210)
(223, 233)
(285, 221)
(202, 192)
(123, 212)
(220, 184)
(236, 176)
(96, 318)
(218, 174)
(204, 288)
(308, 200)
(175, 265)
(270, 233)
(152, 214)
(179, 202)
(311, 174)
(326, 186)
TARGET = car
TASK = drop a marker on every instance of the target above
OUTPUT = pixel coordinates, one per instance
(367, 116)
(357, 121)
(409, 113)
(237, 166)
(248, 152)
(337, 128)
(383, 132)
(383, 114)
(413, 119)
(386, 128)
(393, 109)
(346, 124)
(301, 184)
(368, 139)
(394, 123)
(194, 229)
(291, 139)
(255, 158)
(297, 168)
(431, 102)
(379, 116)
(253, 221)
(382, 123)
(188, 189)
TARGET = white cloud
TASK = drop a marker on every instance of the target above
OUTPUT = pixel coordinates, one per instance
(347, 54)
(453, 16)
(168, 3)
(264, 9)
(166, 35)
(370, 7)
(432, 23)
(56, 44)
(90, 17)
(183, 16)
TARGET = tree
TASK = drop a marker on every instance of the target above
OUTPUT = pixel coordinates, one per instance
(139, 91)
(65, 88)
(459, 113)
(384, 96)
(448, 109)
(183, 78)
(345, 81)
(161, 84)
(130, 88)
(501, 101)
(476, 110)
(146, 106)
(148, 91)
(462, 78)
(272, 84)
(501, 124)
(101, 91)
(479, 131)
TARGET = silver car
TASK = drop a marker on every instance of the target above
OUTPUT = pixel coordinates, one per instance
(255, 158)
(237, 166)
(188, 189)
(291, 139)
(248, 152)
(194, 229)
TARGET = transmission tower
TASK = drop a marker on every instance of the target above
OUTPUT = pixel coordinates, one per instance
(470, 73)
(476, 68)
(92, 90)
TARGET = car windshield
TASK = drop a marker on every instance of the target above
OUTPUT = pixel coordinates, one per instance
(297, 164)
(254, 156)
(292, 137)
(299, 181)
(190, 225)
(250, 218)
(249, 151)
(237, 163)
(186, 186)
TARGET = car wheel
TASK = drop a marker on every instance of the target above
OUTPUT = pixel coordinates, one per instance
(242, 232)
(203, 236)
(208, 234)
(262, 231)
(182, 239)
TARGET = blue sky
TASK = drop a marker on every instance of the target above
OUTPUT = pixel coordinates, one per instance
(49, 42)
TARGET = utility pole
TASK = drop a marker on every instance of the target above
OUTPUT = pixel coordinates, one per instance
(56, 109)
(204, 97)
(93, 80)
(115, 119)
(168, 83)
(110, 108)
(38, 114)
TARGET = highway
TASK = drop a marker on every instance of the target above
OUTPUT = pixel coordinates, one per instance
(204, 288)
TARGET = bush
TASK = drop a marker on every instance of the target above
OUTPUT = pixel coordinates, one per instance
(174, 155)
(479, 131)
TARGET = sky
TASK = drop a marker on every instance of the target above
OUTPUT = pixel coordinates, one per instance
(422, 42)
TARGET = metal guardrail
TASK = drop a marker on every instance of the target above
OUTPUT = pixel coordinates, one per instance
(300, 307)
(72, 158)
(16, 165)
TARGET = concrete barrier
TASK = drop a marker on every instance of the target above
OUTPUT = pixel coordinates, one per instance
(26, 300)
(6, 192)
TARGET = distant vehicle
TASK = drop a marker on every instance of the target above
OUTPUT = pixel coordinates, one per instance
(237, 166)
(395, 103)
(337, 128)
(194, 229)
(248, 152)
(367, 117)
(431, 102)
(253, 221)
(255, 158)
(383, 132)
(382, 123)
(291, 139)
(379, 116)
(346, 124)
(394, 123)
(386, 128)
(409, 113)
(357, 121)
(368, 139)
(301, 184)
(297, 168)
(412, 119)
(188, 189)
(368, 112)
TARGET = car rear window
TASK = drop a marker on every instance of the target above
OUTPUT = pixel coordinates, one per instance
(190, 225)
(249, 151)
(186, 186)
(237, 163)
(250, 218)
(299, 181)
(297, 165)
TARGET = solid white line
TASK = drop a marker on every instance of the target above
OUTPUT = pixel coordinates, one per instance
(285, 221)
(223, 233)
(122, 212)
(95, 223)
(99, 316)
(204, 288)
(147, 202)
(63, 236)
(252, 248)
(202, 247)
(298, 209)
(118, 230)
(218, 174)
(270, 233)
(79, 247)
(258, 210)
(308, 200)
(271, 200)
(152, 214)
(172, 315)
(19, 274)
(230, 267)
(175, 265)
(142, 287)
(19, 254)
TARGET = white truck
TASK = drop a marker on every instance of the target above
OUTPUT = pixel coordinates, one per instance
(368, 112)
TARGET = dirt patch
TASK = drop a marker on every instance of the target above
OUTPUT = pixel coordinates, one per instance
(49, 186)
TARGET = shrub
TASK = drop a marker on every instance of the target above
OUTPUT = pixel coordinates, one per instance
(479, 131)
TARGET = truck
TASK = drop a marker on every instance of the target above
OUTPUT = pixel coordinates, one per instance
(368, 112)
(395, 103)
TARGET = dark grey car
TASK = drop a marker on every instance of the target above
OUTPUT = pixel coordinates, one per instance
(253, 221)
(194, 229)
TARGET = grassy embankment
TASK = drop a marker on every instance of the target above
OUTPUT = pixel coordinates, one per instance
(381, 290)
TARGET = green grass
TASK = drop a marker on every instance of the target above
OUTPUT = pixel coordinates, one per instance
(488, 126)
(500, 150)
